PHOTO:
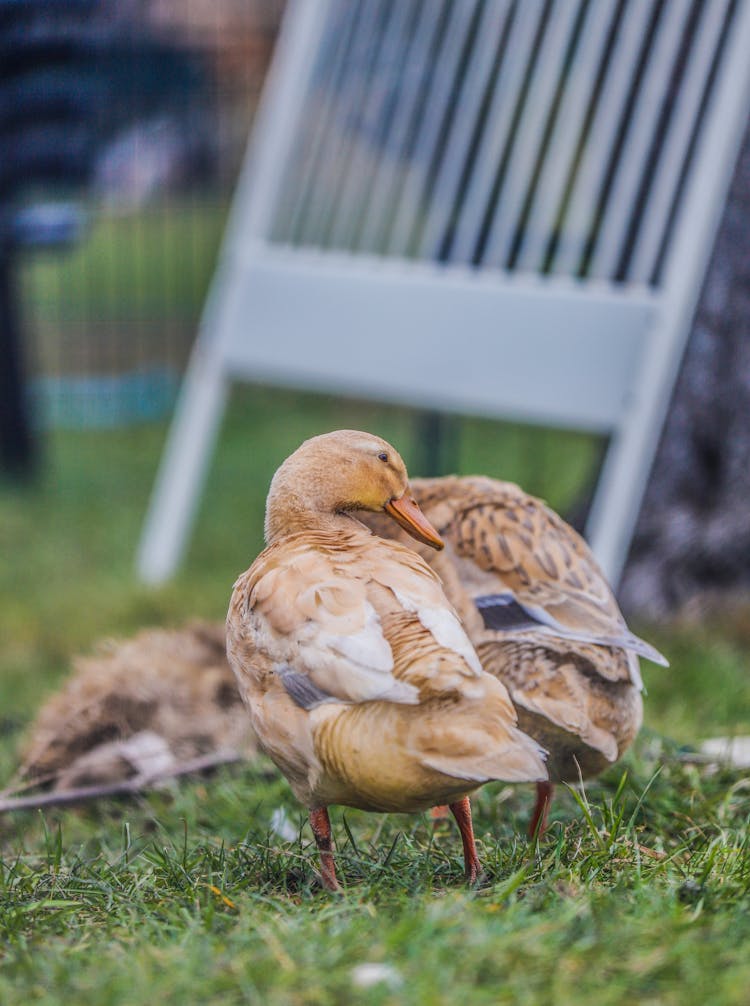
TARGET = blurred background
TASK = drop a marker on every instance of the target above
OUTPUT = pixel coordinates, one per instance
(122, 130)
(127, 126)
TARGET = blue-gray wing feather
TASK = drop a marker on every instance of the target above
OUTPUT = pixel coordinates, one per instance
(302, 690)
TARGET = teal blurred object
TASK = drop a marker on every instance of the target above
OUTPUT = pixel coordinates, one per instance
(104, 401)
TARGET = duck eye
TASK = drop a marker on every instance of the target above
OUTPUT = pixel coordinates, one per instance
(383, 456)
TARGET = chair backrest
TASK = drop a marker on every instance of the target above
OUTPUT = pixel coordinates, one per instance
(514, 200)
(535, 136)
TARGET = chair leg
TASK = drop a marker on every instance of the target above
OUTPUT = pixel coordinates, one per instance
(176, 492)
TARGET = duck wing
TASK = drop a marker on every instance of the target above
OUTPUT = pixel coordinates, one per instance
(311, 617)
(539, 573)
(355, 621)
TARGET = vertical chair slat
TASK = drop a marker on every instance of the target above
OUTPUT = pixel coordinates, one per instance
(314, 124)
(455, 111)
(565, 137)
(526, 144)
(526, 26)
(421, 43)
(639, 132)
(459, 144)
(567, 251)
(662, 184)
(437, 108)
(346, 110)
(375, 121)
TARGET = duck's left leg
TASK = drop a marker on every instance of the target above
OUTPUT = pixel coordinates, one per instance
(538, 822)
(461, 810)
(321, 828)
(439, 814)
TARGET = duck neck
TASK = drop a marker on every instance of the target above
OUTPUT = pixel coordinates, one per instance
(290, 513)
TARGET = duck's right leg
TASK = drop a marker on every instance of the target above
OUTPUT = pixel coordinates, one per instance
(461, 810)
(538, 822)
(321, 828)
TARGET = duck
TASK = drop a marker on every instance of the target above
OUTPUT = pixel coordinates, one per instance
(361, 684)
(169, 690)
(543, 620)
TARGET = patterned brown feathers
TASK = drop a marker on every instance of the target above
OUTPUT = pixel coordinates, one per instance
(541, 616)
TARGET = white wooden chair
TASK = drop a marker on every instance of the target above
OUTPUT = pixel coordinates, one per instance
(496, 207)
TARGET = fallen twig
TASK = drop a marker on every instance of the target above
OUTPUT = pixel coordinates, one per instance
(123, 787)
(23, 785)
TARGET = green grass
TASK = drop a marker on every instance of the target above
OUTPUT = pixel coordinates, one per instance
(187, 895)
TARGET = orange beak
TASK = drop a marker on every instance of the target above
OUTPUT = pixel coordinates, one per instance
(405, 512)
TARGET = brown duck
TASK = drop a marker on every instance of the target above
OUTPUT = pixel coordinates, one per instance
(542, 619)
(361, 684)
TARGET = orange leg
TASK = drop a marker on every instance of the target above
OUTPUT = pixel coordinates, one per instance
(538, 823)
(462, 813)
(439, 814)
(321, 827)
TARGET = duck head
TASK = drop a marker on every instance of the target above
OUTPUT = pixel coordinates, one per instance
(338, 473)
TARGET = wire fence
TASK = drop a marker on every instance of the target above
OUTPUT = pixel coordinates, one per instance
(108, 320)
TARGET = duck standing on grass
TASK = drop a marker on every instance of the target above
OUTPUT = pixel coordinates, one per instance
(361, 683)
(543, 620)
